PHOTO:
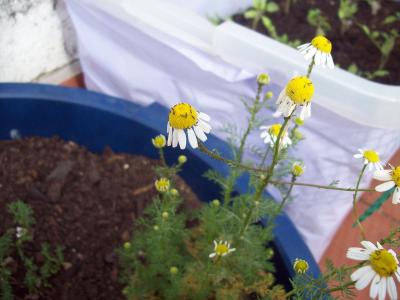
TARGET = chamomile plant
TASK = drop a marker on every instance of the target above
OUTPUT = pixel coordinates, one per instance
(218, 251)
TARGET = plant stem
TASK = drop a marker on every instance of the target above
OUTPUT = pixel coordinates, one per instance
(325, 187)
(239, 156)
(255, 22)
(162, 157)
(355, 212)
(310, 67)
(287, 194)
(215, 156)
(264, 182)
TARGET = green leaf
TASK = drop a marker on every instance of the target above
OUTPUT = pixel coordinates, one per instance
(272, 7)
(381, 73)
(353, 69)
(375, 206)
(250, 14)
(390, 20)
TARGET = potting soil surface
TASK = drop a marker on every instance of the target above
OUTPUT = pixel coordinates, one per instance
(85, 202)
(353, 47)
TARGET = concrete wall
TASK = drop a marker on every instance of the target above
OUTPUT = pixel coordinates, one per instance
(37, 41)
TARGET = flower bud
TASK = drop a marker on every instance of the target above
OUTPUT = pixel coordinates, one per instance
(182, 159)
(263, 79)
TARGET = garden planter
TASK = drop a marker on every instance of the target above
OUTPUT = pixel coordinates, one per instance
(97, 121)
(167, 53)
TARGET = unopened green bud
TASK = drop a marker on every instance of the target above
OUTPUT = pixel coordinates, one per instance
(173, 270)
(127, 245)
(156, 228)
(268, 95)
(297, 134)
(263, 79)
(165, 215)
(174, 192)
(159, 141)
(263, 177)
(215, 203)
(297, 169)
(182, 159)
(299, 121)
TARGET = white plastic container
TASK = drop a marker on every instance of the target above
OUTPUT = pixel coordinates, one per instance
(157, 50)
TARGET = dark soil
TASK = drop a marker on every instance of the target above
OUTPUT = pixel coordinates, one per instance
(83, 201)
(351, 47)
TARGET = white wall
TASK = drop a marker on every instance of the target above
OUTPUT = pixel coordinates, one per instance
(36, 41)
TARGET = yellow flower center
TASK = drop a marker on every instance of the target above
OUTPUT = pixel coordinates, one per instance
(221, 249)
(159, 141)
(396, 176)
(162, 184)
(383, 262)
(300, 266)
(322, 43)
(275, 129)
(371, 156)
(300, 90)
(182, 116)
(297, 170)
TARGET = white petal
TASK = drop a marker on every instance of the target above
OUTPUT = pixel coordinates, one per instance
(212, 255)
(370, 166)
(365, 279)
(379, 245)
(361, 272)
(192, 138)
(391, 287)
(373, 292)
(383, 175)
(204, 117)
(368, 245)
(385, 186)
(169, 135)
(233, 249)
(394, 255)
(331, 65)
(264, 127)
(317, 58)
(175, 138)
(303, 112)
(323, 59)
(182, 138)
(398, 274)
(301, 47)
(310, 53)
(358, 253)
(264, 134)
(199, 133)
(205, 126)
(357, 155)
(396, 196)
(382, 289)
(215, 244)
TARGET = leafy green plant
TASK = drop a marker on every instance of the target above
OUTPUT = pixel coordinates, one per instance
(287, 4)
(383, 41)
(268, 24)
(316, 19)
(375, 6)
(392, 18)
(259, 9)
(369, 75)
(12, 247)
(346, 12)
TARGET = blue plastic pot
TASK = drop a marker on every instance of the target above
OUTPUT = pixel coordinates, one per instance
(95, 120)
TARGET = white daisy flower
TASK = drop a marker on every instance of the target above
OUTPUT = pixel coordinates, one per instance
(380, 270)
(319, 50)
(371, 158)
(392, 178)
(19, 232)
(298, 92)
(184, 116)
(270, 134)
(221, 248)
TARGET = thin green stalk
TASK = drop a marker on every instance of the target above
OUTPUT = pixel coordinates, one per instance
(355, 212)
(265, 181)
(287, 194)
(310, 67)
(239, 156)
(215, 156)
(264, 157)
(162, 157)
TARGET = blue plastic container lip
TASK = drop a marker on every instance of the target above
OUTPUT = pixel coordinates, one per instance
(15, 97)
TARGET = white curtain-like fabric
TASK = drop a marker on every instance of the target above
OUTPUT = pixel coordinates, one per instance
(142, 51)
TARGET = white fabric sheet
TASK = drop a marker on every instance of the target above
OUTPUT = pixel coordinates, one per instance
(125, 56)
